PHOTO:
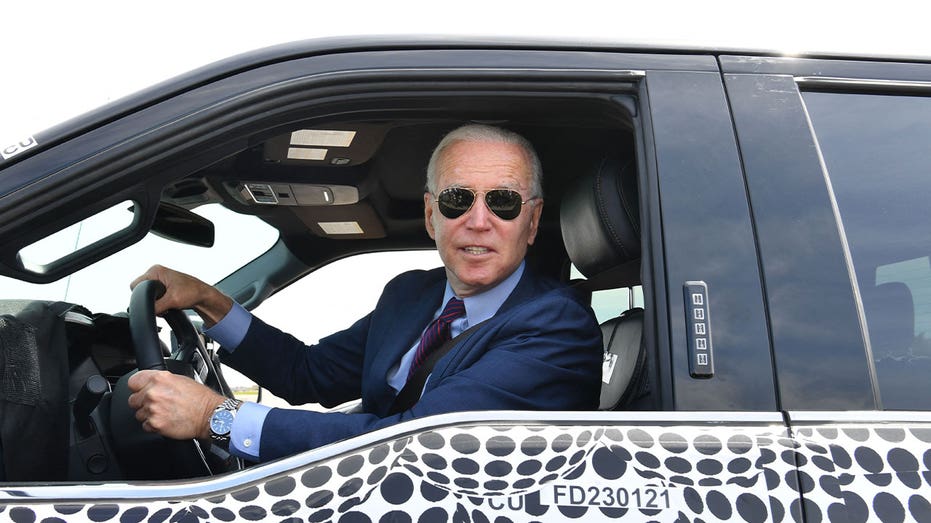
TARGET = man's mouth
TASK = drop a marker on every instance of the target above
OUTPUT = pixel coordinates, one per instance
(475, 250)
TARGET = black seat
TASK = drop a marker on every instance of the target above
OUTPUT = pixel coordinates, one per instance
(34, 376)
(624, 371)
(600, 220)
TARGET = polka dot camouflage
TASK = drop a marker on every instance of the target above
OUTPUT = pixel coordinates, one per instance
(752, 472)
(854, 472)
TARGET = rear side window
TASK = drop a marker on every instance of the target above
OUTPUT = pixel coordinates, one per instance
(877, 152)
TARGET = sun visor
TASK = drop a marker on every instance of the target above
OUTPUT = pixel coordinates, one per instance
(337, 145)
(347, 222)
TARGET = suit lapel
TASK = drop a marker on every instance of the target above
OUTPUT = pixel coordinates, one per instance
(411, 311)
(529, 286)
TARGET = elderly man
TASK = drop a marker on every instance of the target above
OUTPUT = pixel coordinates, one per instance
(538, 347)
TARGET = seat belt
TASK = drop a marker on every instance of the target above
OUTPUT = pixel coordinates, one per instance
(413, 389)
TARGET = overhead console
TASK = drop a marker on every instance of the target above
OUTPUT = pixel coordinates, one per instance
(318, 174)
(302, 194)
(332, 211)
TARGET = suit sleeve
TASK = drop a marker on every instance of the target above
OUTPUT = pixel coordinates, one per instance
(543, 355)
(329, 373)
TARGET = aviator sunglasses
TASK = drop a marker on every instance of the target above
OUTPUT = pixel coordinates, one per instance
(456, 201)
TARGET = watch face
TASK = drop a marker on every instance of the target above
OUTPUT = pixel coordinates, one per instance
(221, 422)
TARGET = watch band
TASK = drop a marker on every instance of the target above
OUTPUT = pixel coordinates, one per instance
(230, 405)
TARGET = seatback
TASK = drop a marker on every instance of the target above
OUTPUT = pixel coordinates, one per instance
(624, 370)
(600, 221)
(34, 419)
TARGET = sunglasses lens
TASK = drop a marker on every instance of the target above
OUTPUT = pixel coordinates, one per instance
(454, 202)
(504, 202)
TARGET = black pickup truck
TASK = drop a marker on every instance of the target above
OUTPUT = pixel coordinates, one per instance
(760, 262)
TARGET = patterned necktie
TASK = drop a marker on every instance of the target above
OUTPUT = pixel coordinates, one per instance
(437, 333)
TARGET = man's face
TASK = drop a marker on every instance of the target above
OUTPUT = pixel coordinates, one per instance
(479, 249)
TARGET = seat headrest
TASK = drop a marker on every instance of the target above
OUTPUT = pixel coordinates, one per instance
(600, 218)
(890, 315)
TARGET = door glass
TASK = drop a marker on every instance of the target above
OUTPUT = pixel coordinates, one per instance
(877, 151)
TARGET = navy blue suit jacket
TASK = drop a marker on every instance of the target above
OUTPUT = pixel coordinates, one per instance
(541, 351)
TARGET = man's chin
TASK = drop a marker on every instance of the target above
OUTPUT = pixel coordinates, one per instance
(473, 284)
(477, 281)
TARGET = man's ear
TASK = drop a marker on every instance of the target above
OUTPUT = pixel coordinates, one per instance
(428, 214)
(535, 214)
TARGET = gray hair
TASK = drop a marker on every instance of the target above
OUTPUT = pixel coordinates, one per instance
(487, 133)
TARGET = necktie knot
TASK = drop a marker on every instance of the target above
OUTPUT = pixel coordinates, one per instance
(437, 333)
(454, 308)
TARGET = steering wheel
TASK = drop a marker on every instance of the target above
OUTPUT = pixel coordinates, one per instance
(145, 455)
(144, 333)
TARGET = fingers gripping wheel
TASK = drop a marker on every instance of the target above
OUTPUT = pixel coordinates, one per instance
(145, 333)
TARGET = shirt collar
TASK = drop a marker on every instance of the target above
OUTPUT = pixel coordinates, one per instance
(484, 305)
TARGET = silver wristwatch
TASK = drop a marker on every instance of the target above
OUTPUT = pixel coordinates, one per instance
(221, 421)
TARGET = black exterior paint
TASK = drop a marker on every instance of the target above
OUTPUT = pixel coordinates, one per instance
(699, 175)
(817, 340)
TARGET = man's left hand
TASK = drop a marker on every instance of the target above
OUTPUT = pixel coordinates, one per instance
(174, 406)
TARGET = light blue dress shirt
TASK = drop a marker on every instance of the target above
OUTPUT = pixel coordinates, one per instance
(246, 434)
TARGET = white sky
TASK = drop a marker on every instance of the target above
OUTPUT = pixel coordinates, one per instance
(60, 59)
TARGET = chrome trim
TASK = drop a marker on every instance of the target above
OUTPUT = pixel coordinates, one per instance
(863, 83)
(208, 487)
(627, 73)
(863, 416)
(615, 74)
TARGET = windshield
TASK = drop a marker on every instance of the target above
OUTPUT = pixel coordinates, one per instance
(104, 286)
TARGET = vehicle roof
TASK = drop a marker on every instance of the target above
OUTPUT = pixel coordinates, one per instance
(334, 45)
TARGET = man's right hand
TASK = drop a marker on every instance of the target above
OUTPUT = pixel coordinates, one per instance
(183, 291)
(174, 406)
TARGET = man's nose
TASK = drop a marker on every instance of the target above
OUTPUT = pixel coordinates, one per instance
(479, 216)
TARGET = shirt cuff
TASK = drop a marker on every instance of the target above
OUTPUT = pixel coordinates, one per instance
(246, 433)
(232, 328)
